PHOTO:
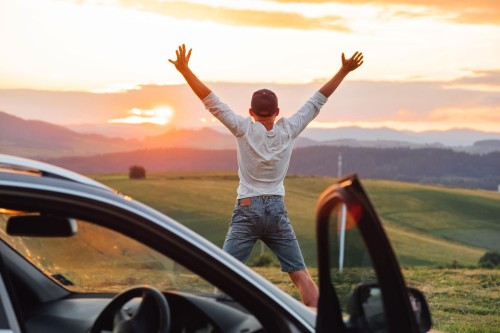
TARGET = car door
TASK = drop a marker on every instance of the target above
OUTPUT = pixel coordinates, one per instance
(361, 285)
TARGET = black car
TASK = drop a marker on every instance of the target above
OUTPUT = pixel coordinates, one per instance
(76, 256)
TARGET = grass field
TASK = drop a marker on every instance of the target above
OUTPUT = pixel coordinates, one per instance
(461, 300)
(429, 227)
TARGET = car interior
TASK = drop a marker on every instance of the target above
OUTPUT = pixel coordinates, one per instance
(62, 275)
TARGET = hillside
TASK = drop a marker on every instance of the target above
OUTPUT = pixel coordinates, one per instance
(422, 165)
(38, 139)
(425, 165)
(42, 140)
(427, 225)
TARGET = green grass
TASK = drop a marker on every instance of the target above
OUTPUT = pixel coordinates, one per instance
(427, 225)
(460, 300)
(466, 216)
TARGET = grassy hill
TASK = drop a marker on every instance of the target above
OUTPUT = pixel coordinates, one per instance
(427, 225)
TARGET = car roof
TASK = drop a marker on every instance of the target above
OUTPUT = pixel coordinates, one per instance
(16, 164)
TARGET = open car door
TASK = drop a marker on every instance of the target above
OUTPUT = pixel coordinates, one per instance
(360, 281)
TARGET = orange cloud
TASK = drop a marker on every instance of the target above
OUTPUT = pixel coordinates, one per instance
(238, 17)
(159, 116)
(467, 115)
(491, 77)
(465, 11)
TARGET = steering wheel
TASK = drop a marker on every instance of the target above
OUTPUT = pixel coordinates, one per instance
(151, 316)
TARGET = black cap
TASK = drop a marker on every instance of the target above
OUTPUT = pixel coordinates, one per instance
(264, 102)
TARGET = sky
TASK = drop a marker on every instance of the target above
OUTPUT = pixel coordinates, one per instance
(429, 64)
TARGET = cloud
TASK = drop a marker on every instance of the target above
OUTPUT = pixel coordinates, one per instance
(481, 77)
(416, 106)
(465, 11)
(159, 116)
(481, 80)
(466, 115)
(237, 16)
(483, 12)
(486, 119)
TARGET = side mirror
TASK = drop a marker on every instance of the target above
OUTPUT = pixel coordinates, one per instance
(41, 226)
(366, 309)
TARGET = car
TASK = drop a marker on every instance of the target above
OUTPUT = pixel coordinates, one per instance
(78, 256)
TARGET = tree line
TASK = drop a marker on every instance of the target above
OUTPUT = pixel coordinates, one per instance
(419, 165)
(422, 165)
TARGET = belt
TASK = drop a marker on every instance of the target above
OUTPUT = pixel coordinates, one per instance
(261, 198)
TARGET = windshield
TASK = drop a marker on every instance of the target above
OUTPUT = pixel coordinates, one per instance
(97, 259)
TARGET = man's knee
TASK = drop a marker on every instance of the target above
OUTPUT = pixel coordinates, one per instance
(307, 287)
(301, 277)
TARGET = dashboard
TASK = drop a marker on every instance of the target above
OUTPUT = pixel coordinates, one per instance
(189, 314)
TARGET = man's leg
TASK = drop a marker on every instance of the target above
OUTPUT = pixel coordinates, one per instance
(307, 287)
(241, 236)
(239, 248)
(281, 239)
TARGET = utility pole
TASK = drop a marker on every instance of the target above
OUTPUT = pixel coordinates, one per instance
(339, 166)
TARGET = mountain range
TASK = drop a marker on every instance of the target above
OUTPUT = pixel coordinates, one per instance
(43, 140)
(207, 149)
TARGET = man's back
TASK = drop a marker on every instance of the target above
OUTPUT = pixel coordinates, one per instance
(264, 155)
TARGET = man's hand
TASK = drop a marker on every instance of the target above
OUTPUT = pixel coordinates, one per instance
(348, 65)
(353, 62)
(182, 61)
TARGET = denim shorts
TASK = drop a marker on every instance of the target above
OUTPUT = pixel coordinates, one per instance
(265, 219)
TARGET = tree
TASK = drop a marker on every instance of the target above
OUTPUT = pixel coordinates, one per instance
(490, 260)
(137, 172)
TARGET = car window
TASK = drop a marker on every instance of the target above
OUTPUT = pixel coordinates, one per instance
(97, 259)
(351, 265)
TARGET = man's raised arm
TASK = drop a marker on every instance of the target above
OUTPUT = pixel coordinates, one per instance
(182, 65)
(348, 65)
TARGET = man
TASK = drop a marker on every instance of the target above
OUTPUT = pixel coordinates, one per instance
(264, 150)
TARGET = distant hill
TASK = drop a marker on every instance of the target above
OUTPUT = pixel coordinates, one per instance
(38, 139)
(484, 147)
(453, 138)
(423, 165)
(153, 160)
(32, 138)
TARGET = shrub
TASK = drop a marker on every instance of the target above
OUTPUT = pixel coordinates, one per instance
(137, 172)
(490, 260)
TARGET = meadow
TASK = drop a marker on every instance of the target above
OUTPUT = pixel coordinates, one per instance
(438, 233)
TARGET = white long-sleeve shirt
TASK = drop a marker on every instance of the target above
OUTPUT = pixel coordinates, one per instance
(264, 156)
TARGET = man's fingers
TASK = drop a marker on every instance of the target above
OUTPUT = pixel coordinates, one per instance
(357, 59)
(189, 55)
